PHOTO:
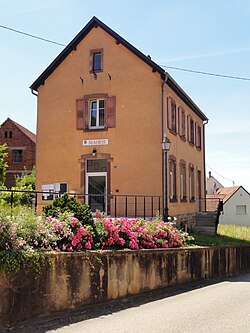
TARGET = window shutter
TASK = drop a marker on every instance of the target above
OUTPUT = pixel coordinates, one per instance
(111, 111)
(80, 114)
(179, 121)
(195, 133)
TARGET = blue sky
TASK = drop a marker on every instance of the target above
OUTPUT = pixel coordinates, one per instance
(211, 36)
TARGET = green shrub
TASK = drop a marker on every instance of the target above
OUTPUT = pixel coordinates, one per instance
(69, 204)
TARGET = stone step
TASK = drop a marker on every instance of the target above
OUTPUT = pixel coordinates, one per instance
(205, 220)
(206, 230)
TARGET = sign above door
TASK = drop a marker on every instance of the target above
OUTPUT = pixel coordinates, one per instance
(95, 142)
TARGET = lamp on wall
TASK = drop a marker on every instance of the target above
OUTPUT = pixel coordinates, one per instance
(94, 151)
(165, 148)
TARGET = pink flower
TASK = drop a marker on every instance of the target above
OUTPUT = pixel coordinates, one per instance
(88, 246)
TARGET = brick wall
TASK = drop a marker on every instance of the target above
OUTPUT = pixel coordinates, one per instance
(16, 139)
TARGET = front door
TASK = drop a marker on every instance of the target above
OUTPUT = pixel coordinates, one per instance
(96, 185)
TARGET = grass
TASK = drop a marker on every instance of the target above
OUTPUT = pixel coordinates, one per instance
(227, 235)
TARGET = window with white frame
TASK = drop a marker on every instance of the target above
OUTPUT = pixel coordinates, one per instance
(183, 182)
(191, 183)
(172, 179)
(96, 113)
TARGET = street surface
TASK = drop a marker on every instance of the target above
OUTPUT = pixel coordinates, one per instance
(221, 307)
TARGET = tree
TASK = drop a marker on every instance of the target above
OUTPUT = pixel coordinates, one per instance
(3, 163)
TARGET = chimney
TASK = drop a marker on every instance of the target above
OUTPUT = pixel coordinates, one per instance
(209, 174)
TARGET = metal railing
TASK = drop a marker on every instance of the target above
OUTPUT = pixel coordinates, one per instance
(115, 205)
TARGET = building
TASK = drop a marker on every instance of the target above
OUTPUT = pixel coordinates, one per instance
(236, 205)
(104, 108)
(212, 184)
(21, 145)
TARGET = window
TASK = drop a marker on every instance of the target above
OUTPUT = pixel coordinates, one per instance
(172, 124)
(198, 136)
(17, 155)
(183, 181)
(172, 179)
(191, 183)
(241, 210)
(182, 123)
(96, 112)
(53, 190)
(8, 134)
(96, 60)
(97, 109)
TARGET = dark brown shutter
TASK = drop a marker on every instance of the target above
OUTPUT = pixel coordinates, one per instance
(80, 114)
(195, 133)
(111, 111)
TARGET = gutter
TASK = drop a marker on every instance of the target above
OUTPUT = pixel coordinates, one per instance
(163, 135)
(34, 92)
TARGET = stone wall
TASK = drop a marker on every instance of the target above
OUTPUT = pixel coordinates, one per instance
(76, 279)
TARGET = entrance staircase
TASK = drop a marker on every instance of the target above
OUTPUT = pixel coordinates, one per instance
(206, 223)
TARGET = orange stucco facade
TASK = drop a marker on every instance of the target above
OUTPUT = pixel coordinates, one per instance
(132, 146)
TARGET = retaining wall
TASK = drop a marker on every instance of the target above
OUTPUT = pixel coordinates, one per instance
(76, 279)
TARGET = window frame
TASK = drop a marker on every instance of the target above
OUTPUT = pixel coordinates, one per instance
(98, 108)
(172, 179)
(83, 113)
(94, 52)
(17, 155)
(238, 212)
(191, 183)
(183, 181)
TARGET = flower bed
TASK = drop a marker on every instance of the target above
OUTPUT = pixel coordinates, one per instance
(67, 233)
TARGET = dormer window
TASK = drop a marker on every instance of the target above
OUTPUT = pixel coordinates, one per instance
(96, 60)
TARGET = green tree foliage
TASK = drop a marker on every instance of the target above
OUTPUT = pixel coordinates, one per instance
(25, 184)
(27, 181)
(3, 163)
(69, 204)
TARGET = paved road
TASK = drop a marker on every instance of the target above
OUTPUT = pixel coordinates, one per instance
(221, 307)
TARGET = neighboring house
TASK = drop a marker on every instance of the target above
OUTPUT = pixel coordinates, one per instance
(212, 184)
(103, 110)
(236, 205)
(21, 150)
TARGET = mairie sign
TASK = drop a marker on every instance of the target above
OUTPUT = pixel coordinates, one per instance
(95, 142)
